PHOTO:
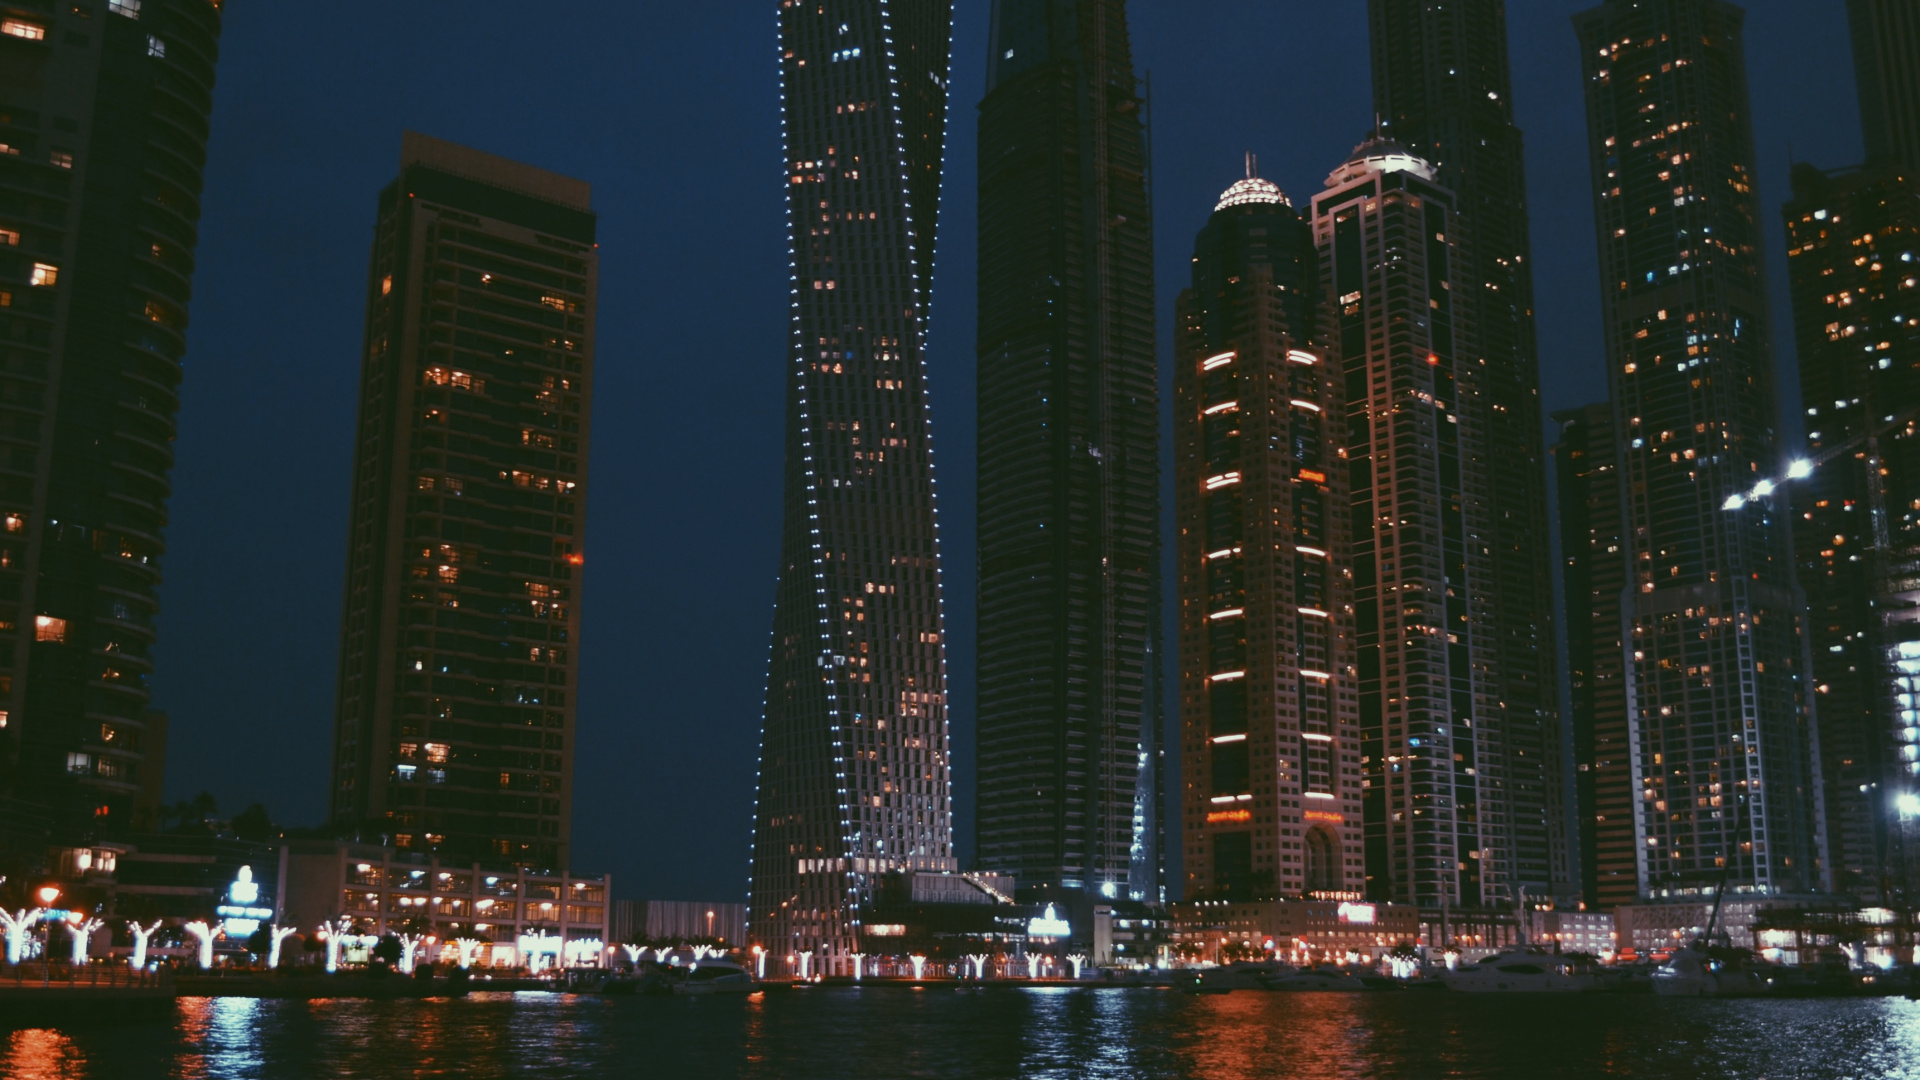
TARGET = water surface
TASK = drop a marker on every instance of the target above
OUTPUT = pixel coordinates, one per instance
(995, 1035)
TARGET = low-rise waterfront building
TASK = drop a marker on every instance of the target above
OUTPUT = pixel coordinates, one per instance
(1301, 931)
(678, 920)
(510, 917)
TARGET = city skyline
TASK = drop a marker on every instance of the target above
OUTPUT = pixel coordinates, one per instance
(1347, 137)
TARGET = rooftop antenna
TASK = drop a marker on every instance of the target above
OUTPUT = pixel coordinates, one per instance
(1253, 165)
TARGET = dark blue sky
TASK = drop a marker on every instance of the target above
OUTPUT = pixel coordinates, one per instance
(671, 110)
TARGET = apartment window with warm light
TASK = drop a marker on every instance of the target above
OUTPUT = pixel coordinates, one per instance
(61, 159)
(44, 274)
(9, 237)
(20, 29)
(48, 628)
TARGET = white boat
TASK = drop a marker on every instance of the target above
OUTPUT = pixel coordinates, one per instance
(1331, 980)
(1692, 973)
(1521, 973)
(714, 976)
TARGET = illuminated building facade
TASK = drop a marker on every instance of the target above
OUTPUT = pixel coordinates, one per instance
(1438, 803)
(1442, 85)
(1269, 704)
(855, 781)
(1853, 256)
(1303, 932)
(104, 112)
(1715, 658)
(1607, 864)
(508, 918)
(1069, 469)
(458, 657)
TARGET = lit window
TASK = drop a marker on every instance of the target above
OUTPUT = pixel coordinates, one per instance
(48, 628)
(156, 47)
(386, 285)
(61, 159)
(9, 237)
(437, 753)
(129, 8)
(3, 719)
(80, 764)
(20, 29)
(44, 274)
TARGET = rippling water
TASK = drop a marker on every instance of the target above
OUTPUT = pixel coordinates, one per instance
(997, 1035)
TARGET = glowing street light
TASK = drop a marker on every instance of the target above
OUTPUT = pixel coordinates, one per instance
(1800, 470)
(48, 894)
(1909, 805)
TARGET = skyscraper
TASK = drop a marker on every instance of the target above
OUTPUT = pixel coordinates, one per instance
(104, 110)
(1069, 546)
(1443, 814)
(1269, 708)
(1588, 458)
(1853, 241)
(1442, 86)
(855, 781)
(1715, 657)
(1886, 61)
(458, 653)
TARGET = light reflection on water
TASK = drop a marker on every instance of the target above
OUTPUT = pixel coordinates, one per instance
(824, 1034)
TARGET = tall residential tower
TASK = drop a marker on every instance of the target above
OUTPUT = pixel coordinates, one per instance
(1714, 651)
(1269, 708)
(1853, 249)
(1444, 818)
(854, 779)
(459, 639)
(1069, 518)
(1442, 86)
(104, 111)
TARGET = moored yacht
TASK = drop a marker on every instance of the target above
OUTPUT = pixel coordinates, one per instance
(1521, 972)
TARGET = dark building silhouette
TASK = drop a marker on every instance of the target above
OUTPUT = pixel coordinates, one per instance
(1442, 85)
(1714, 651)
(1596, 573)
(1269, 706)
(459, 641)
(1886, 61)
(1069, 470)
(104, 112)
(855, 782)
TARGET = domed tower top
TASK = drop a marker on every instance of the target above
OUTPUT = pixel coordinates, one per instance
(1253, 190)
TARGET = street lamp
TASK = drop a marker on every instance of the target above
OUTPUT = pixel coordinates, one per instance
(48, 894)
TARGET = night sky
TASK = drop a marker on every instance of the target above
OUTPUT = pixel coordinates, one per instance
(671, 110)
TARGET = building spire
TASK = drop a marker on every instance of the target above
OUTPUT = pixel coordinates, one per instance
(1253, 166)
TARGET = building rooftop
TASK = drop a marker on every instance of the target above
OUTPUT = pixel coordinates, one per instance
(1380, 154)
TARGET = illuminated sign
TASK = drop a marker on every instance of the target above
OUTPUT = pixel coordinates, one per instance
(241, 915)
(1311, 475)
(1361, 914)
(1325, 815)
(1219, 816)
(887, 930)
(1049, 925)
